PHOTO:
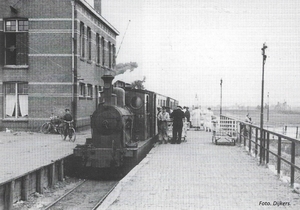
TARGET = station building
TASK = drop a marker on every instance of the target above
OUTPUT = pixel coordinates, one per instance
(53, 54)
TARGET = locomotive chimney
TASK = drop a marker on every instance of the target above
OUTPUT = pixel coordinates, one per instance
(108, 88)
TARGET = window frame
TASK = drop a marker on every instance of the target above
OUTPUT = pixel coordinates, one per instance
(16, 41)
(82, 90)
(109, 55)
(17, 25)
(89, 43)
(89, 91)
(20, 106)
(114, 56)
(103, 51)
(82, 39)
(98, 46)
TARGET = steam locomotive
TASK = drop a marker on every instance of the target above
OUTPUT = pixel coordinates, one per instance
(124, 127)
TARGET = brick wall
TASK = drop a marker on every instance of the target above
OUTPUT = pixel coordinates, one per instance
(49, 73)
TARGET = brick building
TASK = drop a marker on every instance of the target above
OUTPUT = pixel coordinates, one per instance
(53, 54)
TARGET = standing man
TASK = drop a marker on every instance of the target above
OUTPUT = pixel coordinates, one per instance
(158, 121)
(178, 116)
(187, 115)
(67, 117)
(163, 117)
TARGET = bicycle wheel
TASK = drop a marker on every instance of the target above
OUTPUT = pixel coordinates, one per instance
(61, 133)
(46, 127)
(72, 134)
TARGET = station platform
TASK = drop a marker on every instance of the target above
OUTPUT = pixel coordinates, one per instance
(22, 152)
(200, 175)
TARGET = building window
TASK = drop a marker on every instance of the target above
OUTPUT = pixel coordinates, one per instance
(98, 48)
(103, 50)
(114, 56)
(109, 54)
(81, 38)
(16, 42)
(16, 100)
(89, 91)
(89, 42)
(82, 89)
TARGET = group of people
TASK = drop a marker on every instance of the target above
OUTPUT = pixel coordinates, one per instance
(177, 117)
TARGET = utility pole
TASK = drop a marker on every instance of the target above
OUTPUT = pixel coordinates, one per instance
(262, 101)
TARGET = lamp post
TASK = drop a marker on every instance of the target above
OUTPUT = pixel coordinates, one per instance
(262, 100)
(221, 81)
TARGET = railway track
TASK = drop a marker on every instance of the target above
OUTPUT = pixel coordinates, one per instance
(88, 194)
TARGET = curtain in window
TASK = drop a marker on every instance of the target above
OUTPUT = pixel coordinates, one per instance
(23, 100)
(10, 105)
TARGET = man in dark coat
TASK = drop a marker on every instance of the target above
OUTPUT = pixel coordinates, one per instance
(177, 115)
(187, 115)
(67, 117)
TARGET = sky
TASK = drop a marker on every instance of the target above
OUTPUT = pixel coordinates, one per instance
(184, 48)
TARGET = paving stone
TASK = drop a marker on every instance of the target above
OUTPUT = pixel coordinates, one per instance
(200, 175)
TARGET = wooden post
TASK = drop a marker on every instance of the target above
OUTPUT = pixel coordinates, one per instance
(256, 142)
(261, 146)
(264, 146)
(293, 153)
(9, 195)
(250, 138)
(279, 156)
(52, 174)
(61, 170)
(268, 147)
(39, 182)
(25, 188)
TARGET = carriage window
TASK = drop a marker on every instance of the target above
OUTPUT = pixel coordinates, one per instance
(136, 102)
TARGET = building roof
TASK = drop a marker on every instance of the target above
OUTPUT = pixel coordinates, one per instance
(87, 5)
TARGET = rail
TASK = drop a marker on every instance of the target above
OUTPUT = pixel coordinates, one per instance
(269, 147)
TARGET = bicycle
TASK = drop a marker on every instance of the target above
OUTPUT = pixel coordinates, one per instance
(52, 126)
(70, 132)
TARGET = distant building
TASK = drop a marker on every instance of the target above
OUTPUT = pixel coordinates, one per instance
(53, 54)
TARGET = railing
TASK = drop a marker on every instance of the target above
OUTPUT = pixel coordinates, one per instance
(270, 147)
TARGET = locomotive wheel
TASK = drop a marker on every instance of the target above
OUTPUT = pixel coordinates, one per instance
(46, 127)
